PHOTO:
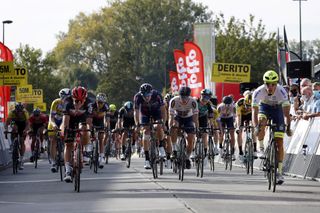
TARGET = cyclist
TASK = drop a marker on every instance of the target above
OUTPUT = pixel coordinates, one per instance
(205, 115)
(76, 116)
(227, 111)
(183, 112)
(38, 123)
(19, 119)
(244, 115)
(99, 111)
(55, 121)
(215, 123)
(148, 104)
(113, 116)
(270, 101)
(125, 122)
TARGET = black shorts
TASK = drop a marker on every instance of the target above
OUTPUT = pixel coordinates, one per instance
(98, 122)
(245, 118)
(128, 122)
(203, 121)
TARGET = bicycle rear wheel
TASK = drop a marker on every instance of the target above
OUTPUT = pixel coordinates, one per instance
(36, 153)
(95, 156)
(77, 168)
(107, 150)
(59, 160)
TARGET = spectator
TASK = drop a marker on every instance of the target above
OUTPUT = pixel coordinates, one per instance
(315, 106)
(316, 86)
(294, 97)
(307, 98)
(305, 82)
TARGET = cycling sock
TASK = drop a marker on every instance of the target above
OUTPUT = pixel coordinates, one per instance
(123, 149)
(240, 150)
(168, 156)
(205, 151)
(161, 143)
(220, 145)
(261, 144)
(146, 153)
(280, 165)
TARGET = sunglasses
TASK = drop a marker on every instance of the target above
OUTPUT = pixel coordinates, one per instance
(77, 101)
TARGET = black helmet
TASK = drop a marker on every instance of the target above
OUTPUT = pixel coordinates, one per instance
(206, 92)
(227, 100)
(19, 107)
(214, 101)
(128, 105)
(185, 91)
(36, 112)
(145, 88)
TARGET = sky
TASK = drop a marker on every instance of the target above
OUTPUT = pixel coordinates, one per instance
(38, 22)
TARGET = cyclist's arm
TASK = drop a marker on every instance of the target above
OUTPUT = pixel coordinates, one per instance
(255, 111)
(286, 113)
(163, 113)
(136, 116)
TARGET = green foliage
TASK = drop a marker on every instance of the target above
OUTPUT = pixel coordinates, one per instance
(241, 41)
(310, 50)
(40, 71)
(126, 41)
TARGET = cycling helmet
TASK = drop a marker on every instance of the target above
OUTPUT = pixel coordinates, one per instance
(227, 100)
(185, 91)
(79, 93)
(270, 77)
(101, 97)
(19, 107)
(206, 92)
(248, 99)
(168, 97)
(214, 101)
(65, 92)
(245, 93)
(145, 89)
(36, 112)
(128, 105)
(113, 107)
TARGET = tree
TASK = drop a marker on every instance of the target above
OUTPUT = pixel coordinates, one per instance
(311, 49)
(40, 71)
(128, 40)
(244, 42)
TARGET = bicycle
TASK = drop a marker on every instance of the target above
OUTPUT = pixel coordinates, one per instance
(107, 147)
(212, 146)
(94, 154)
(60, 147)
(36, 149)
(128, 152)
(227, 149)
(76, 157)
(16, 148)
(179, 163)
(248, 149)
(270, 161)
(199, 152)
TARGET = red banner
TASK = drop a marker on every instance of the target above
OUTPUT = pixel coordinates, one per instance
(9, 54)
(195, 68)
(174, 82)
(179, 59)
(3, 52)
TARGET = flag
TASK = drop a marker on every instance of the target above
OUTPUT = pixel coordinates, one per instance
(3, 52)
(179, 59)
(286, 45)
(174, 83)
(9, 54)
(195, 67)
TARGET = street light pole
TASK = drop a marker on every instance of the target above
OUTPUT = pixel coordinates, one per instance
(3, 23)
(300, 27)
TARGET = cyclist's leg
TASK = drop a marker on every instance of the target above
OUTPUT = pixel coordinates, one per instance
(146, 139)
(189, 125)
(203, 123)
(230, 125)
(174, 136)
(123, 144)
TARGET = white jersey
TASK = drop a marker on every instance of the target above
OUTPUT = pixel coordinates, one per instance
(226, 111)
(279, 97)
(176, 107)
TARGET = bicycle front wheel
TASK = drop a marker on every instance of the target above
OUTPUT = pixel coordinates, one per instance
(182, 158)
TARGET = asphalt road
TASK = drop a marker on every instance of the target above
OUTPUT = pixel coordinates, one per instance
(118, 189)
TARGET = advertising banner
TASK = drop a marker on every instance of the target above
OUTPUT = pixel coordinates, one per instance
(232, 73)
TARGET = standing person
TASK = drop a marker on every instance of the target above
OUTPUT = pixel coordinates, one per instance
(149, 107)
(270, 102)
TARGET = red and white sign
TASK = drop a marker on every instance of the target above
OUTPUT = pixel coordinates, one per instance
(174, 81)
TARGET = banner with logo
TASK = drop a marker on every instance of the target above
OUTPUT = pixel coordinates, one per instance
(232, 73)
(179, 59)
(174, 82)
(195, 68)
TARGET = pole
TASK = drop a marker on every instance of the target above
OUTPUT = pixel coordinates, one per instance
(300, 27)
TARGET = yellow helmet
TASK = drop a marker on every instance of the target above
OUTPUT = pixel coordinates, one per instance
(113, 107)
(270, 77)
(248, 99)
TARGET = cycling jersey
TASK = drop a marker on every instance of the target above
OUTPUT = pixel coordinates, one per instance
(56, 111)
(280, 96)
(226, 110)
(37, 122)
(77, 116)
(113, 119)
(242, 108)
(178, 108)
(98, 113)
(205, 110)
(16, 117)
(127, 117)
